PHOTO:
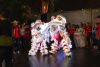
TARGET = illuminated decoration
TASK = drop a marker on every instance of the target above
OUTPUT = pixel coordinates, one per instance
(2, 18)
(44, 7)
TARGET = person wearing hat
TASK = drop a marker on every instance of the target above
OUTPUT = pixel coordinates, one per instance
(16, 36)
(6, 49)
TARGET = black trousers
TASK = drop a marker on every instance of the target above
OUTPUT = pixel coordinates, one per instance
(23, 42)
(98, 41)
(16, 44)
(95, 42)
(88, 39)
(6, 54)
(73, 43)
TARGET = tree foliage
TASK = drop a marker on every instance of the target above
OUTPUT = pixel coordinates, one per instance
(18, 9)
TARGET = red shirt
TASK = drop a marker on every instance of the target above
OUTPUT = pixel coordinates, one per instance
(71, 31)
(26, 36)
(16, 32)
(98, 31)
(88, 30)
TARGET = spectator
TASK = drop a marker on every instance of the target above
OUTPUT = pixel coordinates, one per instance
(22, 35)
(79, 38)
(98, 32)
(88, 31)
(17, 35)
(6, 49)
(71, 32)
(95, 44)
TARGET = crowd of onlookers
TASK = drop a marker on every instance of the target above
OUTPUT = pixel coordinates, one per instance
(14, 38)
(21, 36)
(85, 34)
(79, 34)
(82, 35)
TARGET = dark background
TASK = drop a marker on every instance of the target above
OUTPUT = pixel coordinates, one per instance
(26, 9)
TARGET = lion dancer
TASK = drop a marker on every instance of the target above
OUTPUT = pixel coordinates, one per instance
(55, 44)
(54, 36)
(60, 37)
(38, 41)
(66, 44)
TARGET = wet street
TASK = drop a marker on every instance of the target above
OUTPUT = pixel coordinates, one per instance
(80, 58)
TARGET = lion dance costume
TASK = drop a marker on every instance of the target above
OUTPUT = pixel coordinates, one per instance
(59, 35)
(38, 40)
(56, 30)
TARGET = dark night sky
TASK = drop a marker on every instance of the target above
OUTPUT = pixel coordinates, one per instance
(60, 4)
(76, 4)
(69, 4)
(13, 8)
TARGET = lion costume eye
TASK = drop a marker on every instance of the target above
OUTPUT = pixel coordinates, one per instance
(60, 18)
(38, 28)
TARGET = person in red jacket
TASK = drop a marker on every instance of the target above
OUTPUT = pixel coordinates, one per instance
(98, 32)
(17, 37)
(71, 32)
(27, 37)
(88, 31)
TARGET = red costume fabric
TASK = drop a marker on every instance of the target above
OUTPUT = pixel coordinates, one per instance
(58, 37)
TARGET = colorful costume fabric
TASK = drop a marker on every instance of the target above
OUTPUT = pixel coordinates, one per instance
(58, 34)
(56, 30)
(38, 40)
